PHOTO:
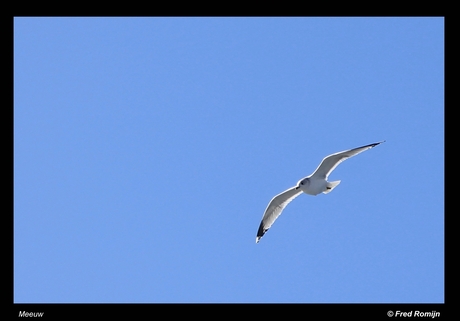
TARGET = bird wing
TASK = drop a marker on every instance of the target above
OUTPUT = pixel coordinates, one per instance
(329, 163)
(274, 209)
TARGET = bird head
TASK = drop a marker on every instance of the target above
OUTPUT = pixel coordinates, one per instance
(302, 182)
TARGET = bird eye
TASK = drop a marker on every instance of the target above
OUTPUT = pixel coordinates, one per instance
(301, 183)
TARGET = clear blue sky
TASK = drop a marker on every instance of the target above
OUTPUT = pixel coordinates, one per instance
(147, 149)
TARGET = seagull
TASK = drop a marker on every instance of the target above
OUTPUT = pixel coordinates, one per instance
(314, 184)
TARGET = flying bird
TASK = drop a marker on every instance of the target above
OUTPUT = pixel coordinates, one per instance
(314, 184)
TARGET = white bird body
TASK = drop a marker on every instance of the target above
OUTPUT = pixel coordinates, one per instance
(314, 184)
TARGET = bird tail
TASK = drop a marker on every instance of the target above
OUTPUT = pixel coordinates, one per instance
(330, 186)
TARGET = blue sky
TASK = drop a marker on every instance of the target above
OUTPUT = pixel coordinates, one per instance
(147, 149)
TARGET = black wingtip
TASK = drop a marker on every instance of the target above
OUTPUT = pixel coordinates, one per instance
(260, 232)
(375, 144)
